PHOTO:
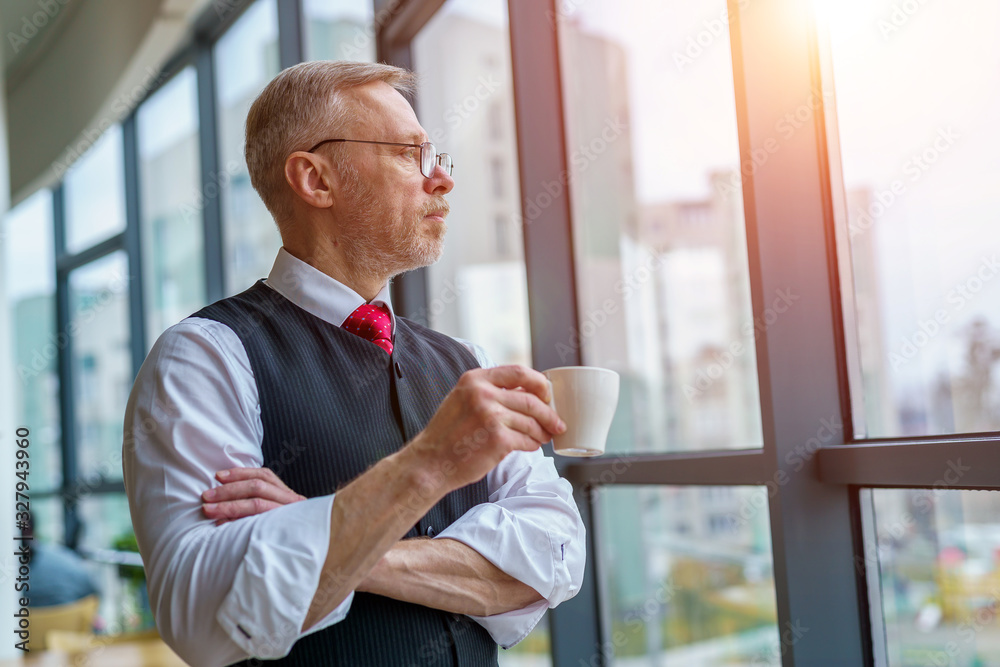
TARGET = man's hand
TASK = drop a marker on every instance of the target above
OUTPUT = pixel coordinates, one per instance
(476, 425)
(481, 421)
(245, 492)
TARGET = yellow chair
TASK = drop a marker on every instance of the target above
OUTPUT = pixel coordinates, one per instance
(74, 617)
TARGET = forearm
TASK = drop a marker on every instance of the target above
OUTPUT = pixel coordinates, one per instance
(448, 575)
(375, 511)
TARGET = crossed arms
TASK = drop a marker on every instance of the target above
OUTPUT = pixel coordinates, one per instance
(256, 585)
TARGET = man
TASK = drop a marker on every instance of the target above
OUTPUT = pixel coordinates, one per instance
(387, 429)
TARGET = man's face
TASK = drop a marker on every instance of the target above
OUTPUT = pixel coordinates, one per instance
(393, 218)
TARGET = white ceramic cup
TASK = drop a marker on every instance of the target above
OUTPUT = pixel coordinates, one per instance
(585, 397)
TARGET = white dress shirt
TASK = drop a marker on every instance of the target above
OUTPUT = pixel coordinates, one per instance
(223, 593)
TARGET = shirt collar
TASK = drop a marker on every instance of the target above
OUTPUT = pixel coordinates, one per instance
(317, 293)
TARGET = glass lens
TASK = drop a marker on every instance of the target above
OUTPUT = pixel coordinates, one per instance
(445, 161)
(935, 562)
(917, 98)
(662, 269)
(428, 159)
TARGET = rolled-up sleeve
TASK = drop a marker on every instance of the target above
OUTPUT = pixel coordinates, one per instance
(219, 593)
(532, 530)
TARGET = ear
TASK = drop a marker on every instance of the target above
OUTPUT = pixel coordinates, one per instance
(312, 178)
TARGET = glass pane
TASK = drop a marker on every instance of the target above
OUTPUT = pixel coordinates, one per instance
(48, 516)
(917, 98)
(102, 364)
(339, 30)
(535, 650)
(663, 280)
(246, 59)
(172, 201)
(478, 290)
(107, 526)
(95, 193)
(30, 279)
(689, 578)
(938, 558)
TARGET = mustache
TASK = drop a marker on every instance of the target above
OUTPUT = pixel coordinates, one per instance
(436, 205)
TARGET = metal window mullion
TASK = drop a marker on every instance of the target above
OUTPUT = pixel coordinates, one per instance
(67, 420)
(208, 153)
(133, 245)
(821, 616)
(577, 626)
(291, 26)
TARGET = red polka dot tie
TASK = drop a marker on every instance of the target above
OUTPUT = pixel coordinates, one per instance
(371, 323)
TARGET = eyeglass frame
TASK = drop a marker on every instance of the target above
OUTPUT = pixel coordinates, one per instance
(450, 169)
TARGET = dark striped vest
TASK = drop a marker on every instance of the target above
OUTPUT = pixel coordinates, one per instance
(333, 404)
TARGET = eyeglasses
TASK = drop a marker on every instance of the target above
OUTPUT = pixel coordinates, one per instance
(429, 157)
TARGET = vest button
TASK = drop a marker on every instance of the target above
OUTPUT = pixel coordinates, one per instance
(399, 370)
(429, 532)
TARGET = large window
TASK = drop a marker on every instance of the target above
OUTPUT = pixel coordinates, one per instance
(339, 30)
(688, 575)
(915, 90)
(477, 291)
(660, 240)
(917, 97)
(95, 193)
(246, 58)
(30, 278)
(172, 200)
(102, 363)
(936, 554)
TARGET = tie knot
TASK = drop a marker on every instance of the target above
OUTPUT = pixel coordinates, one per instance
(371, 323)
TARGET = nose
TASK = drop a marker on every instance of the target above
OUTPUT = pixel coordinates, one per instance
(440, 183)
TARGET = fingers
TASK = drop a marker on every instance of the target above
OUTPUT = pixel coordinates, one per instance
(246, 492)
(526, 426)
(532, 407)
(239, 474)
(513, 377)
(238, 509)
(251, 488)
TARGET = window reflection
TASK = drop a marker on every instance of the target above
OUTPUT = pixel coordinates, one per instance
(663, 279)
